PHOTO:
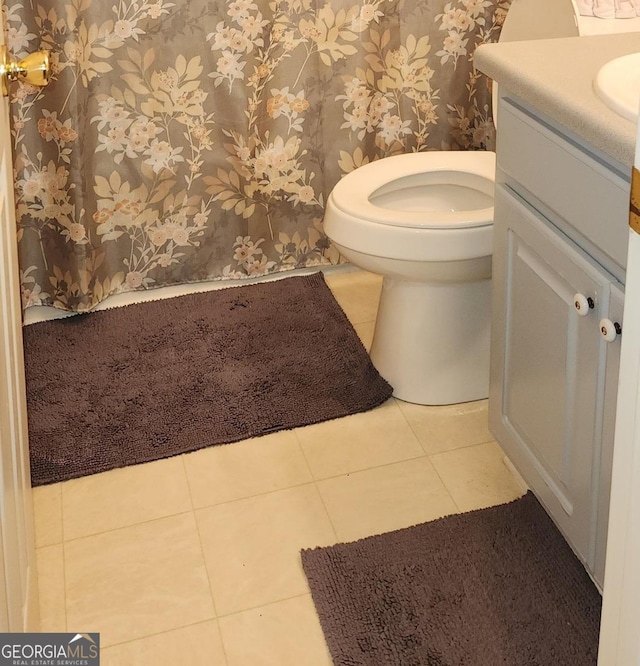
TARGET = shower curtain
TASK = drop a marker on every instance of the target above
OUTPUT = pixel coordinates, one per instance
(198, 139)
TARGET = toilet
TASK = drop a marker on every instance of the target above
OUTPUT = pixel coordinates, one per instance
(425, 222)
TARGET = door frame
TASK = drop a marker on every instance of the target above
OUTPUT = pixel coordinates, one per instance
(19, 606)
(620, 623)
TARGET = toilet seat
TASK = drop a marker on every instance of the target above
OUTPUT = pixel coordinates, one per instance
(474, 170)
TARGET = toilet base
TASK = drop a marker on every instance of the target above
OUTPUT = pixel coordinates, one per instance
(431, 340)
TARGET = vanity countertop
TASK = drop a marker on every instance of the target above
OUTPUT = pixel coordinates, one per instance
(555, 76)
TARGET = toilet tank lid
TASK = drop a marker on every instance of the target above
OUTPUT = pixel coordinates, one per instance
(536, 19)
(540, 19)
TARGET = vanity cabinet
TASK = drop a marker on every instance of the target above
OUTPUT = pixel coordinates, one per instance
(558, 273)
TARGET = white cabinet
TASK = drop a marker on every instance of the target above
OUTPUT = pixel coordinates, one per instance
(553, 374)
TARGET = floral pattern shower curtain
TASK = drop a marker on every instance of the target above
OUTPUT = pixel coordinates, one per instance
(198, 139)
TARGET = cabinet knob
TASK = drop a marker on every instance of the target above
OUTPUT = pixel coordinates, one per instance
(583, 304)
(610, 330)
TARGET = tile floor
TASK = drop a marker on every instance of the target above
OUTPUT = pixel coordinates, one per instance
(195, 559)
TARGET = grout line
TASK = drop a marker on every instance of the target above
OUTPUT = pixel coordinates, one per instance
(126, 527)
(64, 558)
(315, 485)
(270, 603)
(326, 511)
(446, 487)
(186, 474)
(206, 568)
(304, 455)
(261, 494)
(64, 587)
(204, 558)
(159, 633)
(372, 467)
(333, 527)
(162, 633)
(415, 434)
(62, 536)
(222, 645)
(44, 557)
(461, 448)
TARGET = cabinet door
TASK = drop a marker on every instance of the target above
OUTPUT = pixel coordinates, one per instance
(609, 400)
(546, 363)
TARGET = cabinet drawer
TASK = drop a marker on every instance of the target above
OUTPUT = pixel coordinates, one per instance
(572, 183)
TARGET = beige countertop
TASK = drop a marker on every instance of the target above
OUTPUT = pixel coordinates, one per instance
(555, 76)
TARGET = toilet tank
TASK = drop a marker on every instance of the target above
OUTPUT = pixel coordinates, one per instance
(540, 19)
(536, 19)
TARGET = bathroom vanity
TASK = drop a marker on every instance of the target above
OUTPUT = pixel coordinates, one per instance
(560, 245)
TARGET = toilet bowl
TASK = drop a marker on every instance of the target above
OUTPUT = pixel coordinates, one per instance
(425, 222)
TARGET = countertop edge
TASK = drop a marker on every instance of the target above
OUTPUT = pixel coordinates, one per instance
(564, 93)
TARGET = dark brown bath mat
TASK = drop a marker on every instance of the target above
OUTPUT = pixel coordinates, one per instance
(148, 381)
(495, 587)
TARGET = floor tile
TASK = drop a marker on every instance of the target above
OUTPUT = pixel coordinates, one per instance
(359, 441)
(476, 476)
(365, 333)
(252, 546)
(123, 497)
(358, 293)
(137, 581)
(286, 633)
(522, 484)
(384, 499)
(50, 564)
(263, 464)
(448, 427)
(47, 514)
(197, 645)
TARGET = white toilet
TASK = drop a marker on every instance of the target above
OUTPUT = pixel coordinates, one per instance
(425, 222)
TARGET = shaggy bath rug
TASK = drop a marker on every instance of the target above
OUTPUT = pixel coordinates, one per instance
(148, 381)
(498, 586)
